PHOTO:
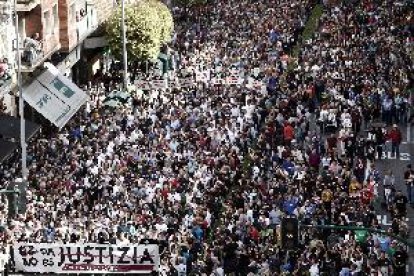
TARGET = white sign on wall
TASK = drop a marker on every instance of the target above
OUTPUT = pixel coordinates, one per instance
(54, 96)
(86, 258)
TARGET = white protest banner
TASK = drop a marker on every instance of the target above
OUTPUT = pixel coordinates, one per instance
(173, 83)
(234, 79)
(186, 82)
(57, 105)
(253, 83)
(217, 81)
(159, 84)
(86, 258)
(203, 76)
(142, 84)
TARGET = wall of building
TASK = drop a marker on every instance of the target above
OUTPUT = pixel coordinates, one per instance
(7, 35)
(33, 21)
(67, 24)
(44, 19)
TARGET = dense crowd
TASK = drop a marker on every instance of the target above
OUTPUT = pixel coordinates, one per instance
(210, 172)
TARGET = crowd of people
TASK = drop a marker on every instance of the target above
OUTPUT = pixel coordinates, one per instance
(211, 171)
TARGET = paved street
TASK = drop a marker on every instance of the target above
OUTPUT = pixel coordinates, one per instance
(398, 167)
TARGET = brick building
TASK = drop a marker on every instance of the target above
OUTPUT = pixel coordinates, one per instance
(58, 25)
(38, 20)
(49, 30)
(79, 19)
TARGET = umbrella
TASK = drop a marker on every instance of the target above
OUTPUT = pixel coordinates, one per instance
(122, 95)
(112, 103)
(119, 96)
(378, 124)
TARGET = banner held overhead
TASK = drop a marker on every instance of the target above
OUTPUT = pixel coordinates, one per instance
(87, 258)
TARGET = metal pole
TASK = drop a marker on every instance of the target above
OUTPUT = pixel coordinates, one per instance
(124, 50)
(408, 117)
(21, 100)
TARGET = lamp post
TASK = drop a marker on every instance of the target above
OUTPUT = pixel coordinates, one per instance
(21, 100)
(5, 18)
(410, 102)
(124, 50)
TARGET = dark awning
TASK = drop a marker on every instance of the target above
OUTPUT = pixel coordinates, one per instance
(10, 134)
(7, 148)
(10, 127)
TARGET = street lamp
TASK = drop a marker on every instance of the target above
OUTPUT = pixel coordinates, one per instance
(124, 50)
(20, 92)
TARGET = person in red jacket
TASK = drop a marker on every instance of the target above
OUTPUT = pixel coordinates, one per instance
(288, 133)
(396, 137)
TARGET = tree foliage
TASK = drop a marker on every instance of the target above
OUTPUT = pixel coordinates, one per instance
(166, 21)
(149, 24)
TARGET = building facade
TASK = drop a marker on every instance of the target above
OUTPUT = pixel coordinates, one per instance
(7, 56)
(80, 19)
(38, 31)
(49, 30)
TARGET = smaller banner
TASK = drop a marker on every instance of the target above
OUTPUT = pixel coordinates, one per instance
(186, 82)
(234, 80)
(142, 84)
(217, 81)
(253, 83)
(86, 258)
(159, 84)
(203, 76)
(173, 83)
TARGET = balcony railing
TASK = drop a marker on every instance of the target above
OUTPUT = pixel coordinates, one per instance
(5, 81)
(33, 56)
(26, 5)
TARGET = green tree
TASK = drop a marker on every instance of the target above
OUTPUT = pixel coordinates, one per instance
(166, 21)
(149, 24)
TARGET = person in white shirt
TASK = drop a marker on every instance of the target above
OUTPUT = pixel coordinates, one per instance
(314, 269)
(181, 267)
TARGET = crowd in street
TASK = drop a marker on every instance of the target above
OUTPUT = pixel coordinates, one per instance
(211, 171)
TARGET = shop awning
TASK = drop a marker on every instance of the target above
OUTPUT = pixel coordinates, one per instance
(7, 148)
(10, 128)
(10, 134)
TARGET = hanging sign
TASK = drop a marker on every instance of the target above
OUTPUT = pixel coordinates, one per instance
(54, 96)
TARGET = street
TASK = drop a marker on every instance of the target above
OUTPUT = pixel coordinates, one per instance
(398, 166)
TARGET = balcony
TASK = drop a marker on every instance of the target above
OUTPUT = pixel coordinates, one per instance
(26, 5)
(5, 84)
(34, 55)
(6, 78)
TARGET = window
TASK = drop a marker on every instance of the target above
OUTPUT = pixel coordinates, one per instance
(47, 25)
(55, 19)
(72, 13)
(22, 30)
